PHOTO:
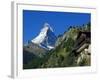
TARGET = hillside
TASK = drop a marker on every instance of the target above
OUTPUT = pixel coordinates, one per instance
(72, 49)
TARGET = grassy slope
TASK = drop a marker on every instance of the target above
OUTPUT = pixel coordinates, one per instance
(62, 55)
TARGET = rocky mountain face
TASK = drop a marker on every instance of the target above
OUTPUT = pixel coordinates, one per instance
(70, 49)
(46, 38)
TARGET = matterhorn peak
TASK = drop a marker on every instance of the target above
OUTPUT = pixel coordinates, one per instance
(46, 27)
(46, 37)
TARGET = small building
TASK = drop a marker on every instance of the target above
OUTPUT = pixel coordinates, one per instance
(82, 42)
(82, 48)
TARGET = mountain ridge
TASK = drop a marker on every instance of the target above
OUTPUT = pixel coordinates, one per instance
(46, 37)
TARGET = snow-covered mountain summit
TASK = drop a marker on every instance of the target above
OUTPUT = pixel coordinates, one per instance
(46, 37)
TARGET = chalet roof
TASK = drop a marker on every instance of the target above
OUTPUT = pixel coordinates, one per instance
(86, 33)
(83, 38)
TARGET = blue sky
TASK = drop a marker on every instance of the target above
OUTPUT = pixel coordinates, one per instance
(33, 22)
